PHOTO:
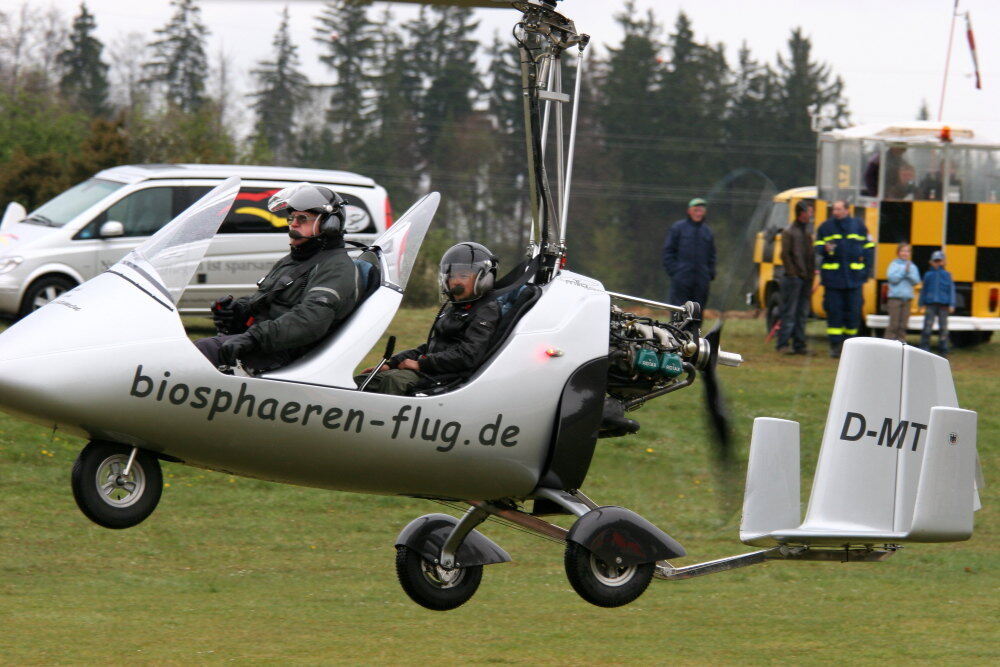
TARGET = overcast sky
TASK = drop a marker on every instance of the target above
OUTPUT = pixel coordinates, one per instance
(890, 53)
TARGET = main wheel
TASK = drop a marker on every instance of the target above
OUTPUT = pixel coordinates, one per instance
(44, 290)
(433, 586)
(602, 584)
(108, 497)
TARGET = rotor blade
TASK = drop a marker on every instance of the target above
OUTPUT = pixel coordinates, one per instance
(714, 400)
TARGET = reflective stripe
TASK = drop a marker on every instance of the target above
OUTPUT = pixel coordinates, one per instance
(830, 266)
(326, 289)
(857, 237)
(831, 237)
(869, 245)
(820, 242)
(858, 266)
(851, 332)
(834, 331)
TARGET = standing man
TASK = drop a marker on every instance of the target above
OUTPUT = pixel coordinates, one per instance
(845, 256)
(798, 259)
(689, 256)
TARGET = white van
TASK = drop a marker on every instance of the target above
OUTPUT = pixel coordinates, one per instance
(86, 229)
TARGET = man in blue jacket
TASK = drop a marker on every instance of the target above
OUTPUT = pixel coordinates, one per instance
(938, 299)
(845, 256)
(689, 256)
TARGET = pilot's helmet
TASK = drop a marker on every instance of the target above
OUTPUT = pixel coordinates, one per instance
(465, 261)
(318, 199)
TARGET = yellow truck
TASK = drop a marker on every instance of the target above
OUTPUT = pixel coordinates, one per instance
(933, 185)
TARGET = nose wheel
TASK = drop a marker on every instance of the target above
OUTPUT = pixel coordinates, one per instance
(116, 486)
(432, 586)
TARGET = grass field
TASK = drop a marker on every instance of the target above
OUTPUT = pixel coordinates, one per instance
(231, 569)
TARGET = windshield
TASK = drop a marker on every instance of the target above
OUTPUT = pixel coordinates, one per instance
(66, 206)
(170, 257)
(401, 242)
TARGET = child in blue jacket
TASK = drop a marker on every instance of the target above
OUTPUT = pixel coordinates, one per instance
(903, 277)
(938, 299)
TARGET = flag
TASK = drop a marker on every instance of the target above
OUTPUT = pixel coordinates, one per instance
(972, 48)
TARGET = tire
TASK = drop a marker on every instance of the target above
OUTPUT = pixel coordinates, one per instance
(43, 291)
(601, 585)
(772, 310)
(969, 338)
(434, 587)
(105, 501)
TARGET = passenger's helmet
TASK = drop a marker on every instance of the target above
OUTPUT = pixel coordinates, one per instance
(318, 199)
(468, 259)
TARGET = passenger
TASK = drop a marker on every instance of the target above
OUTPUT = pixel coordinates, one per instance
(305, 295)
(462, 333)
(899, 175)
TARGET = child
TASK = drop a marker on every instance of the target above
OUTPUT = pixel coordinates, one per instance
(938, 297)
(462, 333)
(903, 277)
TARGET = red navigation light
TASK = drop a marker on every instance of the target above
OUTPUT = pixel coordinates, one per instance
(388, 214)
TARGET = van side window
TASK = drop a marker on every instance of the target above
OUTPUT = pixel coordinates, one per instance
(142, 213)
(249, 214)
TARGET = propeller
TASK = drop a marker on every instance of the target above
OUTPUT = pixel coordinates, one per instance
(714, 400)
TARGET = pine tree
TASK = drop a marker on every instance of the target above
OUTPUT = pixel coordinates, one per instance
(281, 87)
(806, 87)
(348, 38)
(179, 63)
(84, 75)
(924, 113)
(390, 153)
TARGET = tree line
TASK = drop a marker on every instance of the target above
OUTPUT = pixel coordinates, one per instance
(422, 105)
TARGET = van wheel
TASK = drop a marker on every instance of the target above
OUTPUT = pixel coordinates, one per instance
(43, 291)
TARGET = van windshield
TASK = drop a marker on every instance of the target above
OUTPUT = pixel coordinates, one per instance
(66, 206)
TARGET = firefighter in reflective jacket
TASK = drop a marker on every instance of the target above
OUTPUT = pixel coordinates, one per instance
(845, 260)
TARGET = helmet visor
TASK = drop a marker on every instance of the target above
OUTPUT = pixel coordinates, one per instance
(299, 197)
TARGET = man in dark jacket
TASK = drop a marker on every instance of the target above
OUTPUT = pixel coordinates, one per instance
(846, 258)
(689, 256)
(462, 333)
(798, 260)
(305, 295)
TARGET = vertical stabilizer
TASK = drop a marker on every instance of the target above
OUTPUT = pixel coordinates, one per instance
(945, 501)
(771, 499)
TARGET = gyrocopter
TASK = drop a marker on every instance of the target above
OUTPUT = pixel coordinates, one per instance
(897, 461)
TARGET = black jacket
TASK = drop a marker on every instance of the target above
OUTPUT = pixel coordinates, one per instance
(459, 340)
(293, 312)
(689, 252)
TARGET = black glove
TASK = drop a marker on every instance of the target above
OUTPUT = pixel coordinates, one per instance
(236, 347)
(230, 315)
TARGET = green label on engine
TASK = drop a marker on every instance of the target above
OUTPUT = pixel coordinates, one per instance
(671, 365)
(646, 361)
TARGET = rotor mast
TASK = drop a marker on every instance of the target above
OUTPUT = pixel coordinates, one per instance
(543, 35)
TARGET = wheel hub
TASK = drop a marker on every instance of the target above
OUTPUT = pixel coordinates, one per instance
(610, 575)
(116, 488)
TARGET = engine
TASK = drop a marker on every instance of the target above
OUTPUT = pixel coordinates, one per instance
(650, 358)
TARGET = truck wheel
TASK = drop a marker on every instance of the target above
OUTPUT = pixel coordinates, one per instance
(433, 586)
(772, 310)
(969, 338)
(602, 584)
(105, 495)
(44, 290)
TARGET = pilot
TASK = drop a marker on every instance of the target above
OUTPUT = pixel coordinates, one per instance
(462, 333)
(305, 295)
